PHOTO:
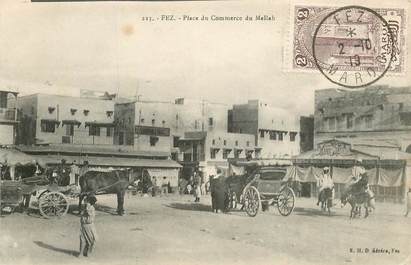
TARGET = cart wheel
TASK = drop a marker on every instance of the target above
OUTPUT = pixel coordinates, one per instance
(251, 201)
(285, 202)
(53, 204)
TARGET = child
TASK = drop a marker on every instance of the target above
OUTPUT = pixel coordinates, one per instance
(88, 235)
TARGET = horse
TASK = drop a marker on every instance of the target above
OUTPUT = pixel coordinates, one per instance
(326, 200)
(112, 182)
(356, 200)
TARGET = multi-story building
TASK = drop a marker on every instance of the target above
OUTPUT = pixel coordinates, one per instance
(8, 117)
(275, 130)
(158, 124)
(207, 150)
(374, 113)
(80, 129)
(54, 119)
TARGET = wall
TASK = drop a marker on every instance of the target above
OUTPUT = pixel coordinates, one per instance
(258, 118)
(373, 113)
(194, 115)
(244, 142)
(6, 134)
(62, 111)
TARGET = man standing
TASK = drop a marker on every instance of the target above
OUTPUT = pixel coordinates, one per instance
(63, 174)
(197, 186)
(74, 173)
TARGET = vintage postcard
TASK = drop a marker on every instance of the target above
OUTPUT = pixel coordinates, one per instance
(205, 132)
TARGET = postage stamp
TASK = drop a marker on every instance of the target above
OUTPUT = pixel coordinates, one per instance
(353, 46)
(382, 28)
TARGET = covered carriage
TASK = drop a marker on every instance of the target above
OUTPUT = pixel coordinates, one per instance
(262, 183)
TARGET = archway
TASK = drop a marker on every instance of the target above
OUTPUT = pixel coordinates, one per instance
(408, 150)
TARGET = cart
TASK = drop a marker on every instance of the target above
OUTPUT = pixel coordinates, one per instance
(262, 185)
(51, 200)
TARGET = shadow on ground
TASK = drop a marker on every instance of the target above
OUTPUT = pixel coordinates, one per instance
(190, 206)
(105, 209)
(61, 250)
(311, 212)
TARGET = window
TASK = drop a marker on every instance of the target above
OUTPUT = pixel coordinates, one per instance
(109, 113)
(237, 153)
(73, 111)
(261, 134)
(141, 121)
(292, 136)
(3, 100)
(86, 112)
(405, 118)
(153, 122)
(280, 136)
(164, 123)
(48, 127)
(349, 121)
(153, 140)
(273, 136)
(187, 157)
(213, 153)
(273, 175)
(51, 109)
(196, 124)
(225, 154)
(225, 142)
(248, 143)
(175, 141)
(210, 122)
(109, 131)
(236, 143)
(94, 130)
(368, 121)
(331, 124)
(69, 129)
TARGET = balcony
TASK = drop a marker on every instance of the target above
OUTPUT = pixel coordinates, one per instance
(8, 114)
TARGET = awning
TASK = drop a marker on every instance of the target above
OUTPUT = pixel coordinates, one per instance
(14, 157)
(111, 161)
(51, 121)
(99, 124)
(71, 122)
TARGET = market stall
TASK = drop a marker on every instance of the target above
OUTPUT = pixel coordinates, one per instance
(384, 163)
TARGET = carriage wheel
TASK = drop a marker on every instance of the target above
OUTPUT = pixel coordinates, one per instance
(285, 202)
(251, 201)
(53, 204)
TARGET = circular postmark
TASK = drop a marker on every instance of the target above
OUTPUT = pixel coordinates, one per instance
(352, 46)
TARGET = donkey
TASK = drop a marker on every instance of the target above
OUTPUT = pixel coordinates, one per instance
(356, 200)
(112, 182)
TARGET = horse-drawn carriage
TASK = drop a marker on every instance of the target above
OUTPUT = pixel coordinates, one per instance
(53, 201)
(263, 184)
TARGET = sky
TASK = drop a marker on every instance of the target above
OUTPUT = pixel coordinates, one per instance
(60, 48)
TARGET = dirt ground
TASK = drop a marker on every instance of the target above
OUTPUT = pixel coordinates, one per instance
(175, 230)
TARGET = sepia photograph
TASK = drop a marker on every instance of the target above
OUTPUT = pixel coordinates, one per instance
(205, 132)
